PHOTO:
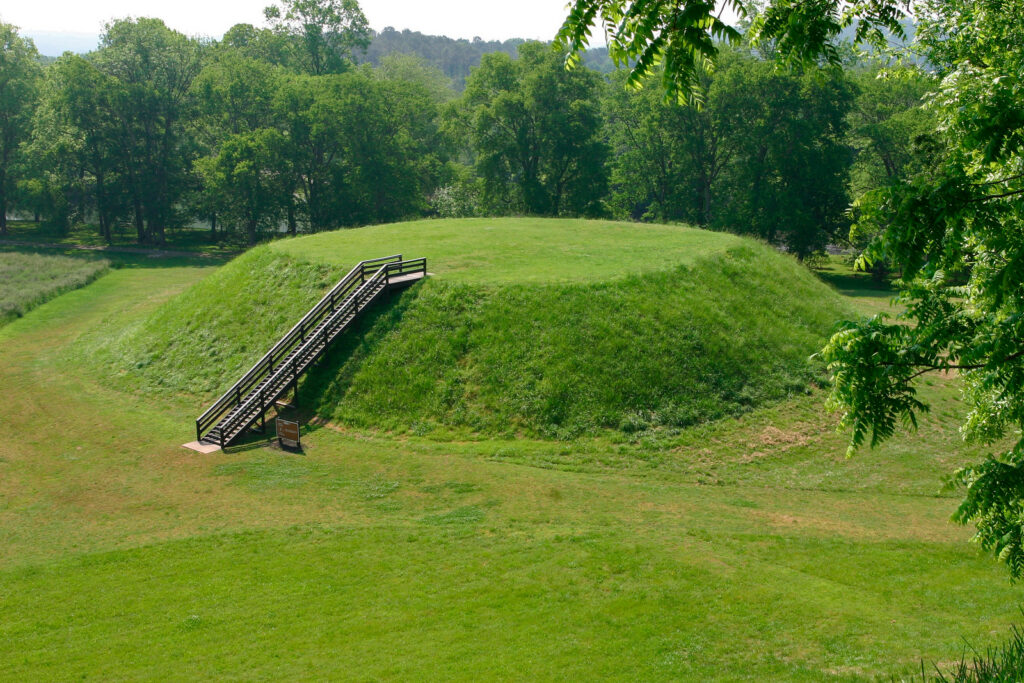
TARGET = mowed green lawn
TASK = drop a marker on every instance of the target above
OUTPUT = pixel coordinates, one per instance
(749, 549)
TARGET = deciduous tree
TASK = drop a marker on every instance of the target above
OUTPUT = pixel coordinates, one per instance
(684, 36)
(956, 230)
(325, 33)
(19, 79)
(537, 134)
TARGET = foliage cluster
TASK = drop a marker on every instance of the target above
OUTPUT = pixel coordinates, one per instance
(19, 79)
(953, 228)
(683, 38)
(27, 280)
(767, 154)
(536, 134)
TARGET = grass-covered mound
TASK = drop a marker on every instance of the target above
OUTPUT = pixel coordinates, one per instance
(542, 327)
(518, 250)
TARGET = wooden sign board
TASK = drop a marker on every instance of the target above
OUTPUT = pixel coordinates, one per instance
(288, 433)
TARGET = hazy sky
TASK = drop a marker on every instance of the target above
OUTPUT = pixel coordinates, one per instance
(495, 19)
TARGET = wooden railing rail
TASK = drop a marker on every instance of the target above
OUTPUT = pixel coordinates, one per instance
(267, 380)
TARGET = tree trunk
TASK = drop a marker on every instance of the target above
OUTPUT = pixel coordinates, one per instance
(140, 225)
(291, 217)
(3, 201)
(706, 201)
(101, 209)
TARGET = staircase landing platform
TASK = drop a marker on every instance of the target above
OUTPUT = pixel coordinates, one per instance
(403, 280)
(200, 447)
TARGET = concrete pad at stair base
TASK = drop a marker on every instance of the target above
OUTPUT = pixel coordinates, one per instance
(201, 447)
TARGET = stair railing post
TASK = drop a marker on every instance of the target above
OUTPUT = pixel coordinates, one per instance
(199, 434)
(295, 383)
(263, 414)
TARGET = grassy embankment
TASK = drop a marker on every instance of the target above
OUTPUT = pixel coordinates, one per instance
(27, 280)
(744, 549)
(543, 328)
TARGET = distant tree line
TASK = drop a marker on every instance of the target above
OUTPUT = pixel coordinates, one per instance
(280, 129)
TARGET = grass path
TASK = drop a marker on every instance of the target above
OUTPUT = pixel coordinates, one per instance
(744, 550)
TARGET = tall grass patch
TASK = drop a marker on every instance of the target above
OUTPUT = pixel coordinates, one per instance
(28, 280)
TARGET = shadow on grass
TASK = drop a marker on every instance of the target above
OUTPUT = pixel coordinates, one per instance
(177, 239)
(119, 259)
(850, 283)
(333, 373)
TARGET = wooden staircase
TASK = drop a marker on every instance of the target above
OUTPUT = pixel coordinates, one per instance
(247, 402)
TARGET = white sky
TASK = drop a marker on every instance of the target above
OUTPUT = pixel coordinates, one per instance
(491, 20)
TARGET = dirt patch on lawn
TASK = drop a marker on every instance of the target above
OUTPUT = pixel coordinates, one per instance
(772, 440)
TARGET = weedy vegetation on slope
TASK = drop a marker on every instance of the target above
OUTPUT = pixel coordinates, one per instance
(203, 340)
(676, 348)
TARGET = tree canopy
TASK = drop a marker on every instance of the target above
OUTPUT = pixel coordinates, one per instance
(683, 37)
(536, 134)
(19, 79)
(954, 229)
(326, 32)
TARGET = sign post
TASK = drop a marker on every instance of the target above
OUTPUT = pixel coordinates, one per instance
(288, 434)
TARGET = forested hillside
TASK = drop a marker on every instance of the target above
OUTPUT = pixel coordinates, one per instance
(456, 57)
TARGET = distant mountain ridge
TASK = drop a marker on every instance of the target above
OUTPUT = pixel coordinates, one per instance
(453, 56)
(456, 56)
